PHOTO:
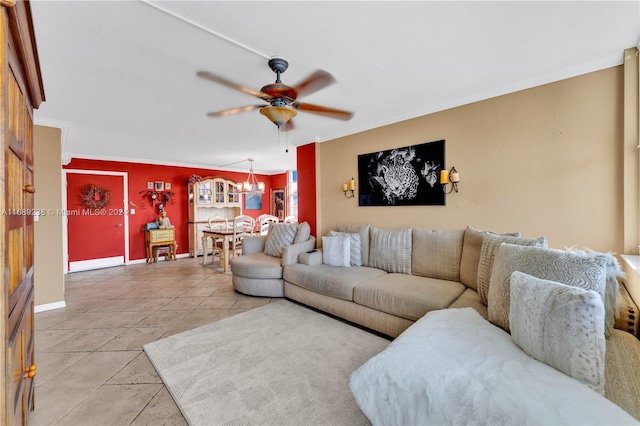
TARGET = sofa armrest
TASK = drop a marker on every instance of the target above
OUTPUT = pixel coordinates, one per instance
(311, 259)
(252, 245)
(290, 253)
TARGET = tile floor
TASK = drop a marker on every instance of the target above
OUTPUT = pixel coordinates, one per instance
(91, 367)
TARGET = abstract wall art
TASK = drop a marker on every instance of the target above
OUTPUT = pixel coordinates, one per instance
(407, 176)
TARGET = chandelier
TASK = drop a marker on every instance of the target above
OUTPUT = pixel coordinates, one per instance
(251, 185)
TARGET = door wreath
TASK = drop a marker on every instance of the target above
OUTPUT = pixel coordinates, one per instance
(95, 197)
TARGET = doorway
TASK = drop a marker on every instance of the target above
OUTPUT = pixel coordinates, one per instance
(97, 223)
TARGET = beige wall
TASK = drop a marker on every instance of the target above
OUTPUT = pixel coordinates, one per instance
(48, 274)
(543, 161)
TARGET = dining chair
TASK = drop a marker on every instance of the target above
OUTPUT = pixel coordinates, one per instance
(243, 226)
(217, 223)
(264, 220)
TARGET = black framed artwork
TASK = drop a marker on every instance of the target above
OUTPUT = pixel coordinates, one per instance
(408, 176)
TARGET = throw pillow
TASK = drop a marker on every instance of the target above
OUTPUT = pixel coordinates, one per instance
(614, 272)
(560, 325)
(279, 236)
(355, 247)
(436, 253)
(391, 250)
(454, 367)
(490, 244)
(335, 251)
(363, 231)
(303, 233)
(471, 247)
(578, 270)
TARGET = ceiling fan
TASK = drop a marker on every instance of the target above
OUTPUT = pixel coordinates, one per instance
(282, 99)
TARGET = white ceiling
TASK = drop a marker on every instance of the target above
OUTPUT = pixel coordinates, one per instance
(120, 76)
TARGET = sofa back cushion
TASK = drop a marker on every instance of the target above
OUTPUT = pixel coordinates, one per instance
(363, 231)
(391, 250)
(471, 247)
(436, 253)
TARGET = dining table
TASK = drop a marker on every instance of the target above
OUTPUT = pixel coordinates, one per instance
(222, 234)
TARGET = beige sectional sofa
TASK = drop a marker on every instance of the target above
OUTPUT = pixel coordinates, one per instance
(439, 269)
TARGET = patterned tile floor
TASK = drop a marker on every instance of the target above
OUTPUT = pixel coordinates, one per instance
(91, 367)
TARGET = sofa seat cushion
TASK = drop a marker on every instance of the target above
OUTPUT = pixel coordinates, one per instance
(258, 265)
(330, 280)
(471, 299)
(407, 296)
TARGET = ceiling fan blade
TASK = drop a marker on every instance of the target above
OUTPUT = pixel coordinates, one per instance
(314, 82)
(231, 111)
(217, 79)
(324, 111)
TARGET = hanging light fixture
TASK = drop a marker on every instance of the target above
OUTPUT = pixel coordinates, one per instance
(278, 115)
(251, 185)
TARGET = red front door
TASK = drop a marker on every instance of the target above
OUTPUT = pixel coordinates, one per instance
(96, 234)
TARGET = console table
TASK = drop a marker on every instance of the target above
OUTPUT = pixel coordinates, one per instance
(160, 238)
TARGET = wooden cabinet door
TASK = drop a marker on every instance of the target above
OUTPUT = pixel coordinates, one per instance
(17, 203)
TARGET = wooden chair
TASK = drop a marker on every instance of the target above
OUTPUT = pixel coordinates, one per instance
(218, 223)
(242, 227)
(290, 219)
(264, 220)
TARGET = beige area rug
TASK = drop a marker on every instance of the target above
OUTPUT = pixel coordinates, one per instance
(279, 364)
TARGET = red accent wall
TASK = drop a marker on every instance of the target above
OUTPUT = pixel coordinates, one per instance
(278, 181)
(177, 208)
(306, 166)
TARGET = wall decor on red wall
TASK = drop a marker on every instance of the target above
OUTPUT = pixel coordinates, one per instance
(278, 203)
(95, 197)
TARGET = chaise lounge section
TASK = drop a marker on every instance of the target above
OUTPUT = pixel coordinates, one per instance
(405, 274)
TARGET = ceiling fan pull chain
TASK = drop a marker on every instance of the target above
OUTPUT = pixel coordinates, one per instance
(278, 132)
(286, 138)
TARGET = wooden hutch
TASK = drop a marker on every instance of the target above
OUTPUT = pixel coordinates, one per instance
(212, 196)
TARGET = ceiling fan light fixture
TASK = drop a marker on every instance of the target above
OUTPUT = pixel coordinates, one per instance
(278, 115)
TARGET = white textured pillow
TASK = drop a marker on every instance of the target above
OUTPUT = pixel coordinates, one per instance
(335, 251)
(560, 325)
(279, 236)
(391, 250)
(454, 367)
(355, 246)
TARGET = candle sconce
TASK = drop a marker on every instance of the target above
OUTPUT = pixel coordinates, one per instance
(449, 177)
(349, 187)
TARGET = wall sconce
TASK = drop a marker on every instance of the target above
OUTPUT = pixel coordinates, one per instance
(449, 176)
(351, 186)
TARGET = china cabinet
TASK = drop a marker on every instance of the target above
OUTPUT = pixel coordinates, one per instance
(212, 196)
(20, 91)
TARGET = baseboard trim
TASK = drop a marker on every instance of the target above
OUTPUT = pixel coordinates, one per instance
(49, 306)
(86, 265)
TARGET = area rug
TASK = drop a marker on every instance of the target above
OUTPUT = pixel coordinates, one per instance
(279, 364)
